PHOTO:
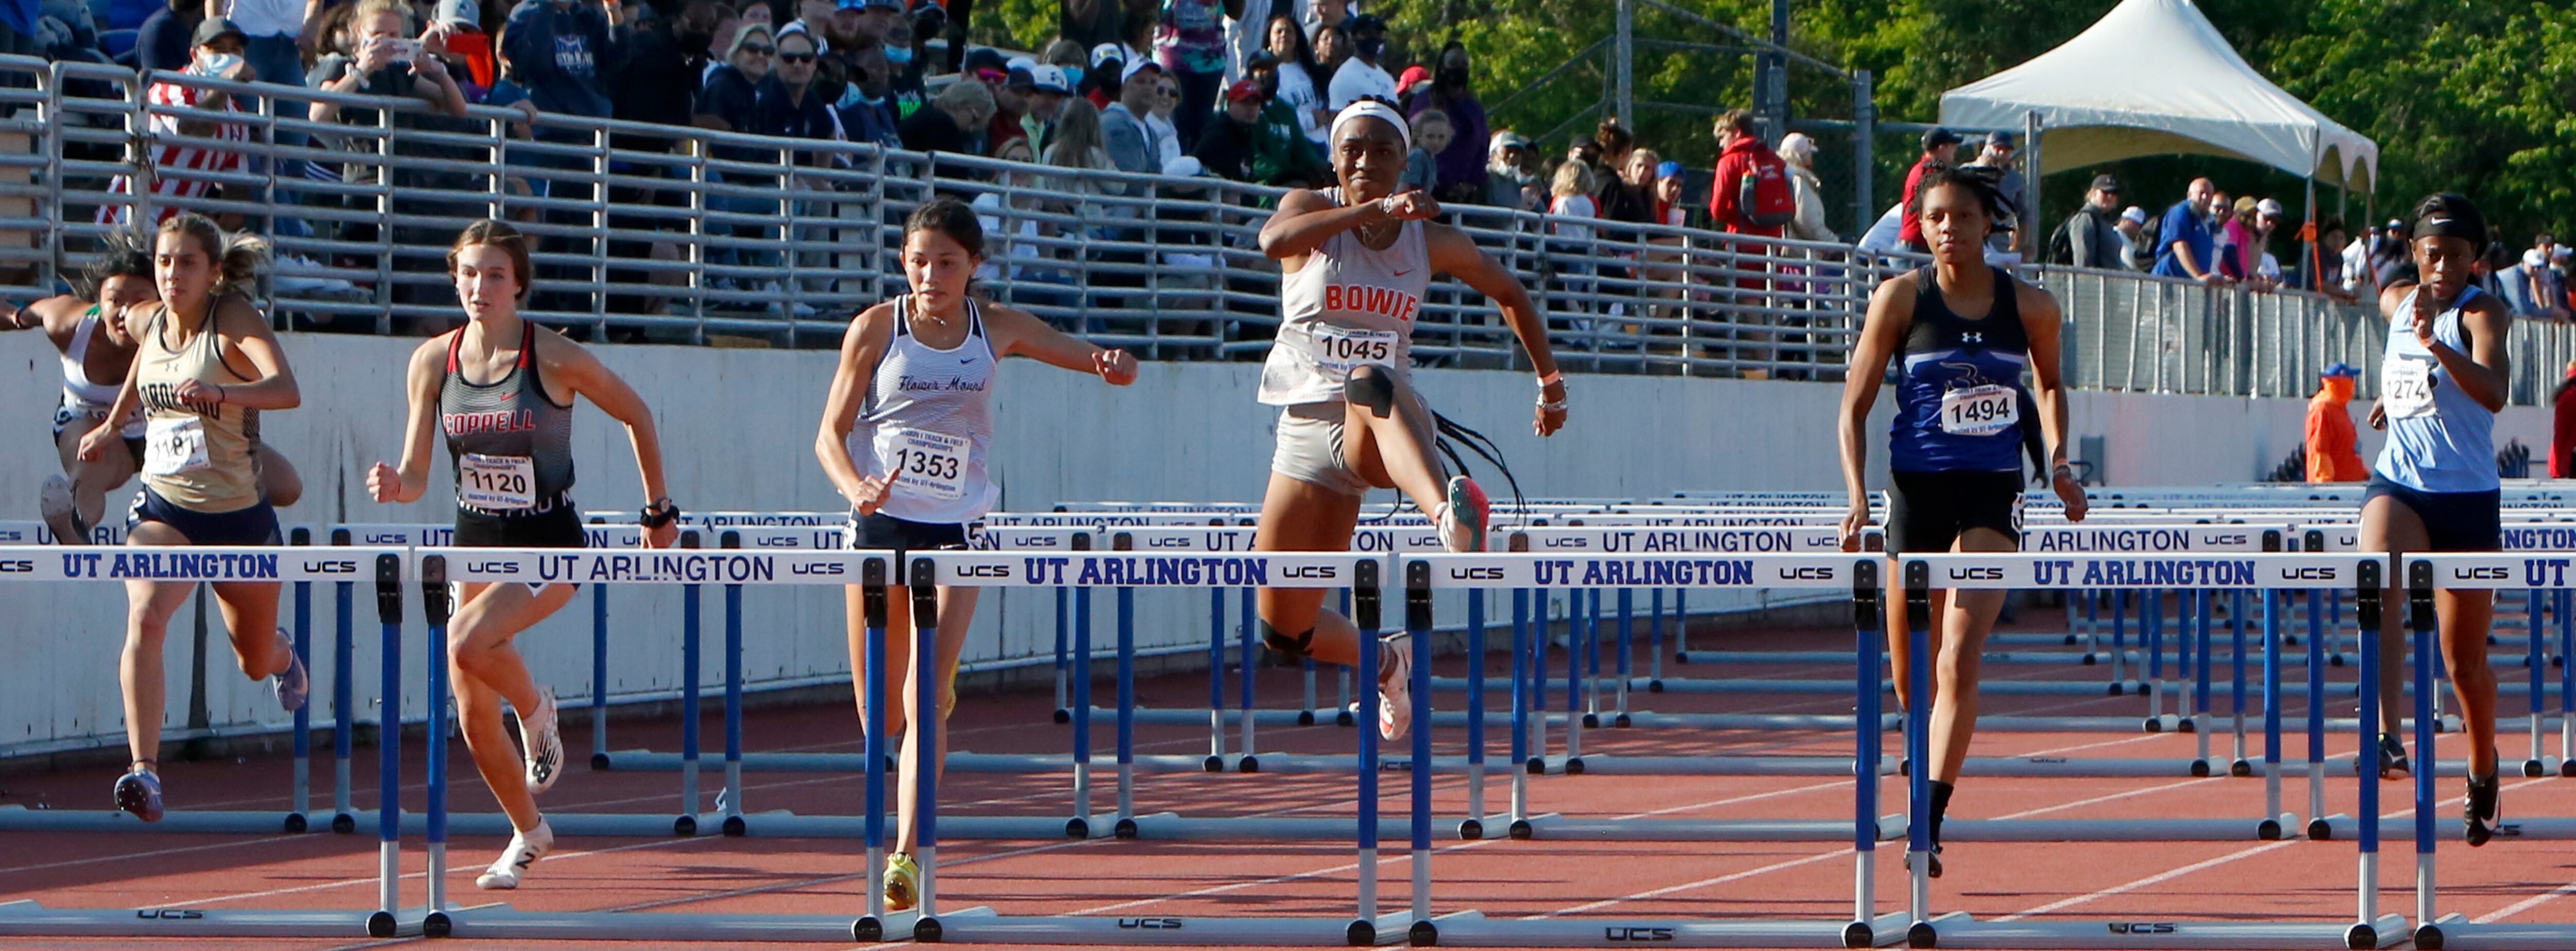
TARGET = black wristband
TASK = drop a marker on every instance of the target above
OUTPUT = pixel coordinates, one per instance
(662, 512)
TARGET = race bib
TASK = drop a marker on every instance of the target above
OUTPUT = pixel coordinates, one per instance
(2406, 387)
(1339, 350)
(496, 483)
(924, 464)
(1979, 410)
(174, 444)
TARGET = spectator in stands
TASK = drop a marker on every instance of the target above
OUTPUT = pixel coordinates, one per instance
(2268, 215)
(1227, 148)
(788, 104)
(1431, 134)
(2238, 251)
(2092, 237)
(867, 106)
(1571, 246)
(167, 38)
(1799, 152)
(1940, 150)
(1167, 100)
(1998, 154)
(2328, 276)
(2391, 261)
(1741, 158)
(2540, 280)
(1332, 48)
(1133, 143)
(217, 55)
(948, 20)
(907, 73)
(1462, 165)
(2138, 252)
(658, 78)
(2222, 212)
(1296, 160)
(730, 100)
(2331, 452)
(1508, 180)
(274, 32)
(1189, 40)
(1298, 89)
(951, 121)
(1068, 56)
(1409, 86)
(1619, 197)
(459, 25)
(2188, 248)
(1100, 83)
(1078, 144)
(1049, 89)
(1010, 88)
(1362, 77)
(388, 63)
(563, 50)
(1669, 181)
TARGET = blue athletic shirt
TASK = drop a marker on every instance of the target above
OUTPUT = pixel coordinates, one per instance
(2439, 438)
(1959, 394)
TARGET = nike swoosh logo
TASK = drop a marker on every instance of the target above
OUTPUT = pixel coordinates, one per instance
(1402, 273)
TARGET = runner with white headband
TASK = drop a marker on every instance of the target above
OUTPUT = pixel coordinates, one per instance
(1357, 260)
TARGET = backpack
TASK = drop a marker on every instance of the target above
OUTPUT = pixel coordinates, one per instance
(1763, 198)
(2061, 242)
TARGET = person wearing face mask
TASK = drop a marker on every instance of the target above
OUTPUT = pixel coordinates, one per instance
(867, 104)
(657, 81)
(1049, 88)
(1362, 77)
(218, 55)
(905, 77)
(1292, 159)
(2331, 438)
(1462, 164)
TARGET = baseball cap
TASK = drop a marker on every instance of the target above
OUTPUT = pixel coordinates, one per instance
(1939, 137)
(894, 5)
(1046, 78)
(2106, 183)
(983, 58)
(1107, 53)
(1668, 169)
(1141, 64)
(461, 14)
(2558, 251)
(2535, 258)
(1508, 139)
(2345, 370)
(1264, 59)
(2245, 204)
(1412, 75)
(2268, 207)
(1363, 21)
(217, 27)
(1243, 90)
(2134, 215)
(1999, 139)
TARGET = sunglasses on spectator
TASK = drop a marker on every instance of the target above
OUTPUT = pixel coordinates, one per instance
(796, 57)
(992, 76)
(756, 49)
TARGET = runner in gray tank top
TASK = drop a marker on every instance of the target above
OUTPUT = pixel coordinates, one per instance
(1356, 261)
(501, 389)
(90, 332)
(906, 426)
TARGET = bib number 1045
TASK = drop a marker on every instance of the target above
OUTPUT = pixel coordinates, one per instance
(1979, 410)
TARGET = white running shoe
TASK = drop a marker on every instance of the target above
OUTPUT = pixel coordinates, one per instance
(1395, 689)
(544, 742)
(60, 511)
(525, 849)
(1462, 516)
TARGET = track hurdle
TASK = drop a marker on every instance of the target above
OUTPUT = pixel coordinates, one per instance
(389, 918)
(1362, 575)
(2255, 572)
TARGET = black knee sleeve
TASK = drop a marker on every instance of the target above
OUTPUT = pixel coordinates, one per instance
(1297, 647)
(1369, 386)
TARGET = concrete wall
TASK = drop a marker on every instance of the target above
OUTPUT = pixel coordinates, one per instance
(738, 429)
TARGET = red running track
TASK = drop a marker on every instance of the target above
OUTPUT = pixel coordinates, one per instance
(2293, 880)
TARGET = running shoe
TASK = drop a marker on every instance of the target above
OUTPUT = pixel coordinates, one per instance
(2482, 810)
(902, 883)
(525, 849)
(544, 743)
(60, 511)
(2392, 758)
(1462, 516)
(294, 685)
(139, 792)
(1932, 863)
(1395, 689)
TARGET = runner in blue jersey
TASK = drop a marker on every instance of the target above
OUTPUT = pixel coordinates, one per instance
(2434, 487)
(1966, 333)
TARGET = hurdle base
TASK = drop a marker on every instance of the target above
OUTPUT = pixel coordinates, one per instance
(2447, 829)
(14, 818)
(2456, 933)
(503, 921)
(2085, 766)
(1564, 828)
(982, 926)
(28, 918)
(1964, 931)
(1470, 929)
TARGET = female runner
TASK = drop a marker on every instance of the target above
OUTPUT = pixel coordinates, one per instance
(501, 388)
(1967, 332)
(906, 427)
(1357, 259)
(2443, 377)
(205, 365)
(97, 350)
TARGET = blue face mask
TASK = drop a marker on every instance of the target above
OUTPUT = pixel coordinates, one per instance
(1072, 76)
(1369, 49)
(898, 55)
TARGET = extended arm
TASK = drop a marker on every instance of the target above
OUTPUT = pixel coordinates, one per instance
(1891, 310)
(2041, 322)
(861, 347)
(1023, 335)
(590, 379)
(1453, 253)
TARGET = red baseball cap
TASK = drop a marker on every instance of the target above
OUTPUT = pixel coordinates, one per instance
(1412, 75)
(1244, 90)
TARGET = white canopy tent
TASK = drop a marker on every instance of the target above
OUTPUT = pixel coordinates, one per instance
(2152, 77)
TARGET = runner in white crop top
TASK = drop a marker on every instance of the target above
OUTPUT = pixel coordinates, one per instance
(1355, 261)
(906, 429)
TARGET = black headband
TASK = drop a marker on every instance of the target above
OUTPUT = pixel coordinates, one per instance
(2450, 216)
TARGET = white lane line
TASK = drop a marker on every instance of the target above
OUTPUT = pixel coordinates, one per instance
(2102, 799)
(371, 880)
(67, 863)
(1702, 883)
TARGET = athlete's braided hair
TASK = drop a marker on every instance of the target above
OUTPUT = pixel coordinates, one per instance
(1982, 181)
(123, 254)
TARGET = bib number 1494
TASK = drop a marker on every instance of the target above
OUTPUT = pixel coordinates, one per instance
(1979, 410)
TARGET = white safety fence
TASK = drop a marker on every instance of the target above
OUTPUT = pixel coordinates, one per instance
(679, 234)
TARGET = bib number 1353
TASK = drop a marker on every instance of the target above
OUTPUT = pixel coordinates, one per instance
(924, 464)
(1979, 410)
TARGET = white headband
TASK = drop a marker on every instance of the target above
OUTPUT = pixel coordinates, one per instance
(1373, 109)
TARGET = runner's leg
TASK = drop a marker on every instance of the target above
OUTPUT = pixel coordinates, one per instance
(487, 669)
(956, 615)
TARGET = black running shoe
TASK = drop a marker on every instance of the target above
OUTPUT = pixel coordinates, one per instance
(1933, 867)
(2392, 758)
(2481, 811)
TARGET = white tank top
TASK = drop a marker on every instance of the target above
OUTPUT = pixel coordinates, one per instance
(927, 422)
(82, 396)
(1348, 306)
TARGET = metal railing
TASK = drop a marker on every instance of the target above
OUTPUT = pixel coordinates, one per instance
(681, 234)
